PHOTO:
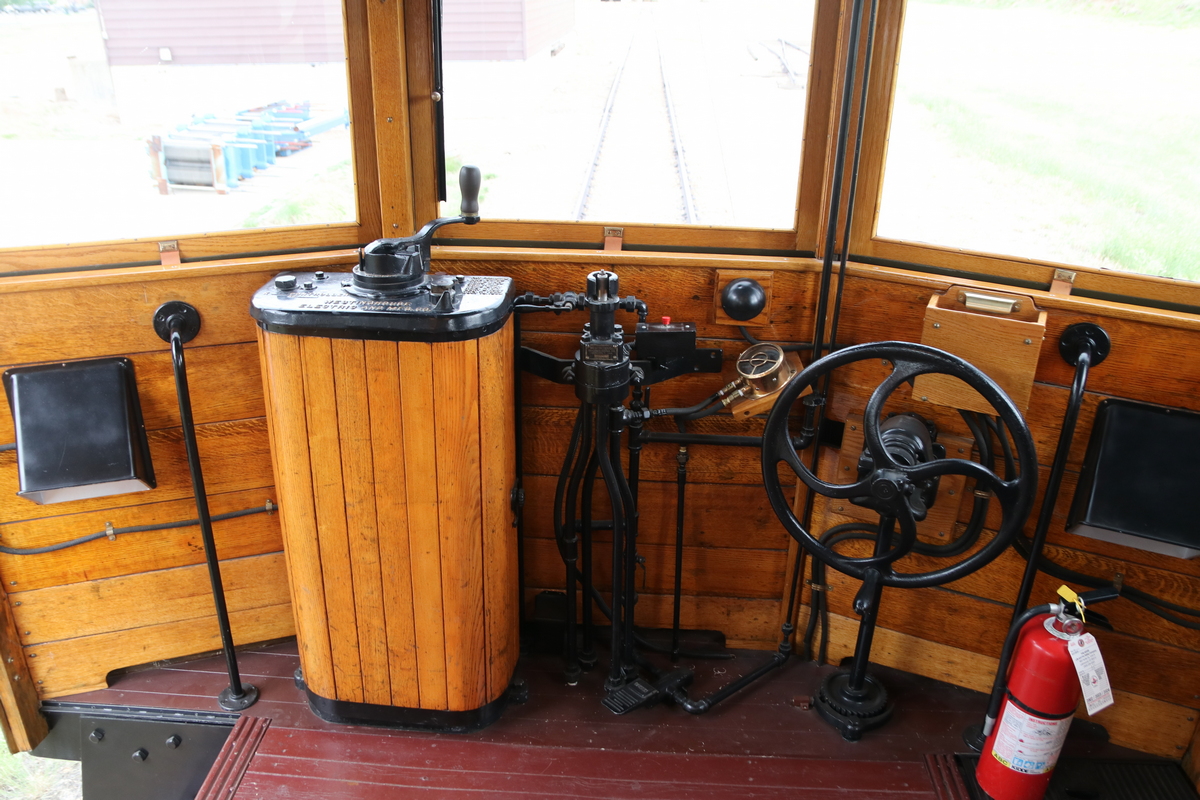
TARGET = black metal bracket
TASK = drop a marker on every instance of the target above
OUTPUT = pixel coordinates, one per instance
(1084, 336)
(136, 753)
(178, 316)
(562, 370)
(1083, 346)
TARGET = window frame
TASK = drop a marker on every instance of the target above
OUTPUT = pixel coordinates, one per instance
(364, 24)
(797, 240)
(866, 246)
(396, 186)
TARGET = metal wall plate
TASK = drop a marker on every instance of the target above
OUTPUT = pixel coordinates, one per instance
(147, 759)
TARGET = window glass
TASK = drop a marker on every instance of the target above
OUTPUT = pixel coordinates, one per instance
(127, 119)
(1054, 130)
(704, 100)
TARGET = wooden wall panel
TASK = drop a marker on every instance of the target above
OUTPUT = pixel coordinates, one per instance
(82, 321)
(131, 553)
(53, 614)
(223, 380)
(236, 457)
(117, 603)
(736, 552)
(82, 665)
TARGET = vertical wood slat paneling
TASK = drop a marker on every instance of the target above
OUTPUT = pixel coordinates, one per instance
(362, 534)
(387, 437)
(401, 459)
(21, 723)
(456, 426)
(421, 490)
(329, 497)
(284, 377)
(498, 447)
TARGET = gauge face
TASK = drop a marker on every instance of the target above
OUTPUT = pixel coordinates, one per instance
(759, 360)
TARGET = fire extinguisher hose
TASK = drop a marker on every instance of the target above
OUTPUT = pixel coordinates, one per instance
(1010, 644)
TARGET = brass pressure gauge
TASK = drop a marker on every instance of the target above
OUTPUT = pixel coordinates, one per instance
(764, 369)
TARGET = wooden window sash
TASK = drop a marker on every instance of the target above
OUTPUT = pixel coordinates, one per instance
(542, 233)
(866, 244)
(359, 16)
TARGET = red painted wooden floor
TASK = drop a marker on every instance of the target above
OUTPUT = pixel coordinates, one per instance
(564, 744)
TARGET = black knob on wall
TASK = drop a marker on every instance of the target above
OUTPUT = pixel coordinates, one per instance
(743, 299)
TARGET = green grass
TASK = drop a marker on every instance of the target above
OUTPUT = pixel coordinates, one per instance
(1089, 124)
(1171, 13)
(328, 195)
(25, 777)
(1113, 175)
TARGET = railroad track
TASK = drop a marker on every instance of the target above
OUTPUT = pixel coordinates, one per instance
(639, 158)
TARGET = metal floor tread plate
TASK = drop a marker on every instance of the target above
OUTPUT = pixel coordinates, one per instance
(1099, 779)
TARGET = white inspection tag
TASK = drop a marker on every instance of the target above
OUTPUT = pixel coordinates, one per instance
(1093, 677)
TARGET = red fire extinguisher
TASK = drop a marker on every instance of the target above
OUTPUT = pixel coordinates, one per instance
(1043, 690)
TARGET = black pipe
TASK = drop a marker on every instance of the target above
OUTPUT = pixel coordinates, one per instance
(560, 487)
(839, 168)
(706, 703)
(178, 319)
(681, 485)
(701, 438)
(629, 522)
(858, 140)
(1057, 469)
(616, 674)
(571, 540)
(867, 605)
(587, 653)
(114, 532)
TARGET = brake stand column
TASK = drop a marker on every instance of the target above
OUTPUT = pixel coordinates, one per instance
(853, 701)
(602, 377)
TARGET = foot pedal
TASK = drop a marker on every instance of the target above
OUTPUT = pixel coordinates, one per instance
(630, 696)
(640, 692)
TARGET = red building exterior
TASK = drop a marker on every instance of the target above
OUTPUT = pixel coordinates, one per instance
(148, 32)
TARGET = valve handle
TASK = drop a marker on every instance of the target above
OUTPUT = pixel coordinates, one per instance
(469, 181)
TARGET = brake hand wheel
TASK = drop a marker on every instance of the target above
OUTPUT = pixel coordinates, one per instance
(890, 482)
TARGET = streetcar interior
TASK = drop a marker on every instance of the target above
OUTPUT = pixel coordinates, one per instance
(595, 397)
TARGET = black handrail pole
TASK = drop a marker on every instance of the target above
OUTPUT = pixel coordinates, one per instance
(177, 320)
(1082, 345)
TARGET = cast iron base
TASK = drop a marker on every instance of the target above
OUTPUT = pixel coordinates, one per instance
(852, 713)
(416, 719)
(227, 701)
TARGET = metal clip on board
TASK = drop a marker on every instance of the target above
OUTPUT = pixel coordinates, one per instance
(176, 323)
